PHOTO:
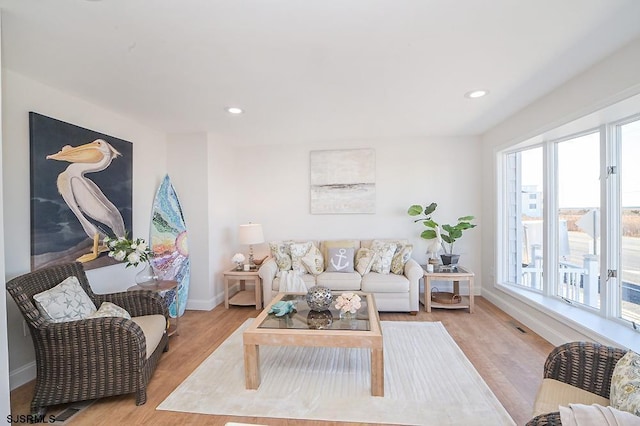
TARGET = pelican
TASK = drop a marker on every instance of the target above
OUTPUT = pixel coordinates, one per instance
(82, 195)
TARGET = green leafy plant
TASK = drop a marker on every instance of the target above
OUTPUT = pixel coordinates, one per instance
(441, 233)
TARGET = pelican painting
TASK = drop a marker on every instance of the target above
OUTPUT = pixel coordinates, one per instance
(80, 192)
(83, 197)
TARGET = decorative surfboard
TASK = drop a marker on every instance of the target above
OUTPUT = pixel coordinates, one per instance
(168, 238)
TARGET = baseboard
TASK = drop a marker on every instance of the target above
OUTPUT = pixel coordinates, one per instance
(535, 321)
(22, 375)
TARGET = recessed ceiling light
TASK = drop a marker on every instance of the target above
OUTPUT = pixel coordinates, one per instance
(234, 110)
(476, 94)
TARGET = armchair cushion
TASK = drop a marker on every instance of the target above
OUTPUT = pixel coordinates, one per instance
(553, 393)
(625, 384)
(65, 302)
(153, 327)
(108, 309)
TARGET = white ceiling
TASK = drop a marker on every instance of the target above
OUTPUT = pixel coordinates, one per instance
(312, 70)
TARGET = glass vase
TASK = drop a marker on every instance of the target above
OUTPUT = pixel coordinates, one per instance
(347, 315)
(147, 277)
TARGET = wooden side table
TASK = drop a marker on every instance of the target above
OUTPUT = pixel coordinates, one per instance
(161, 286)
(243, 297)
(460, 273)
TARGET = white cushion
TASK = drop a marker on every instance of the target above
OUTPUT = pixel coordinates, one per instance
(313, 261)
(153, 327)
(297, 251)
(625, 384)
(65, 302)
(386, 250)
(108, 309)
(400, 258)
(281, 254)
(364, 260)
(553, 393)
(339, 280)
(384, 283)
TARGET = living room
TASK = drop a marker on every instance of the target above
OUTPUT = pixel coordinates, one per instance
(231, 170)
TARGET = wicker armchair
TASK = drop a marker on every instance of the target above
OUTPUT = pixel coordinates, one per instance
(90, 358)
(586, 365)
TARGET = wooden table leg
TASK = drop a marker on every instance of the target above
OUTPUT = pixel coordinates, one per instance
(251, 366)
(226, 292)
(471, 295)
(258, 290)
(427, 294)
(377, 372)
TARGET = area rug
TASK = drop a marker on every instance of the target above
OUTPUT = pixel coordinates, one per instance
(428, 381)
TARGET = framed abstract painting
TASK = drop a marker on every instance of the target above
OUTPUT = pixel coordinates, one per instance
(81, 191)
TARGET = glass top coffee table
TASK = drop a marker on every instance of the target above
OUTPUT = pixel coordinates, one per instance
(311, 328)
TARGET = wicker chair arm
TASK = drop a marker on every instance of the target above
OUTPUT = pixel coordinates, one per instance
(586, 365)
(137, 303)
(94, 337)
(548, 419)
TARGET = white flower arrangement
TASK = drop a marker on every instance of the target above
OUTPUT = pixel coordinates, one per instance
(348, 302)
(122, 249)
(238, 259)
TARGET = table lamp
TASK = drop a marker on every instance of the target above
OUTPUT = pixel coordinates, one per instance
(250, 234)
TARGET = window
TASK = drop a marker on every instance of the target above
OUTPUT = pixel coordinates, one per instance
(570, 218)
(629, 284)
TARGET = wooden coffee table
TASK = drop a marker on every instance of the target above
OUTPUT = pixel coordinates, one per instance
(299, 329)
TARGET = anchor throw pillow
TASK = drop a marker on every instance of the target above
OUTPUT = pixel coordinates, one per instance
(340, 259)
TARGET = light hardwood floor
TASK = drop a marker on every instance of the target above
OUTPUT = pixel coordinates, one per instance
(509, 360)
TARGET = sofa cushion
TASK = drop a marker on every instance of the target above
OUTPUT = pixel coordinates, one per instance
(153, 327)
(385, 250)
(553, 393)
(625, 384)
(400, 258)
(65, 302)
(313, 261)
(340, 259)
(281, 254)
(374, 282)
(364, 260)
(325, 245)
(309, 281)
(339, 280)
(297, 251)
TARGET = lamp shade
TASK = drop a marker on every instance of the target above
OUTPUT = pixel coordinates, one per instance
(250, 233)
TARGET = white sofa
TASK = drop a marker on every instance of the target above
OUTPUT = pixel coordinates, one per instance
(393, 292)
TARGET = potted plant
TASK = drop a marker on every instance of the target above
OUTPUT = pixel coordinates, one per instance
(441, 234)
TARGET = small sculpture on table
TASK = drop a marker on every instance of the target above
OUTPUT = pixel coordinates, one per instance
(238, 259)
(282, 308)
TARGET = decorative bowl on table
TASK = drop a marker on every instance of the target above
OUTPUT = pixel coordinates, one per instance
(319, 298)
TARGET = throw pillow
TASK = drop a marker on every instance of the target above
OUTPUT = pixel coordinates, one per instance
(625, 384)
(402, 256)
(313, 261)
(385, 251)
(108, 309)
(280, 253)
(340, 259)
(65, 302)
(326, 245)
(297, 252)
(364, 260)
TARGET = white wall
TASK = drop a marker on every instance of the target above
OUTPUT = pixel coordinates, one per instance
(21, 95)
(5, 404)
(275, 184)
(612, 80)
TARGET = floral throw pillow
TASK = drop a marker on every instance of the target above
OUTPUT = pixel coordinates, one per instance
(402, 256)
(364, 260)
(385, 251)
(280, 253)
(297, 252)
(340, 259)
(108, 309)
(65, 302)
(625, 384)
(313, 261)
